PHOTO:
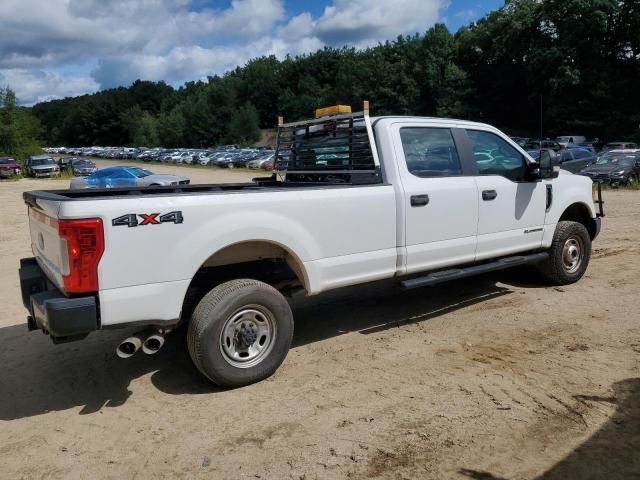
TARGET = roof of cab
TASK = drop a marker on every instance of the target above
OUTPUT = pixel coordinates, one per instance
(414, 118)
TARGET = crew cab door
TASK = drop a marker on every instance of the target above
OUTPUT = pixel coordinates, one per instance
(439, 199)
(511, 209)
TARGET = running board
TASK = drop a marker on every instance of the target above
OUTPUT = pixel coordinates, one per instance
(454, 274)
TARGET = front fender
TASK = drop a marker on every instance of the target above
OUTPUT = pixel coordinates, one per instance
(569, 189)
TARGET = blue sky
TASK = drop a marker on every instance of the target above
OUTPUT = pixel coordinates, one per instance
(56, 48)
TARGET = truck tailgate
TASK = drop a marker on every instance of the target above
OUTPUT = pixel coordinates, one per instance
(47, 247)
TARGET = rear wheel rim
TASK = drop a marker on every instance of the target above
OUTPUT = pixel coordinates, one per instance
(572, 254)
(248, 336)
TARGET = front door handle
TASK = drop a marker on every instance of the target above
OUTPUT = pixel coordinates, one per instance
(419, 200)
(489, 195)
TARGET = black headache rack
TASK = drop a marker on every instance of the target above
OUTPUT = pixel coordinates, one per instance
(331, 149)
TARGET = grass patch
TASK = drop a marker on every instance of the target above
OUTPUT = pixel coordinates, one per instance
(634, 187)
(15, 178)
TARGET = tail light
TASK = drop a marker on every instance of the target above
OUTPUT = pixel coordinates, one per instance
(85, 244)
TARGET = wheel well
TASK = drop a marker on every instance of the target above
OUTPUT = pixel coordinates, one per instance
(579, 212)
(259, 260)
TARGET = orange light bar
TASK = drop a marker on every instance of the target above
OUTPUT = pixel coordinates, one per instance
(335, 109)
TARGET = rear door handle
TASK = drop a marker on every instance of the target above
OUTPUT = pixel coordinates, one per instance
(489, 195)
(419, 200)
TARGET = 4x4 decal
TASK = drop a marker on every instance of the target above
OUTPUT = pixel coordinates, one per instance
(131, 219)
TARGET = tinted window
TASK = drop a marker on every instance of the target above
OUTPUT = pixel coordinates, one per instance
(430, 152)
(505, 159)
(102, 173)
(121, 174)
(140, 172)
(565, 157)
(580, 154)
(43, 161)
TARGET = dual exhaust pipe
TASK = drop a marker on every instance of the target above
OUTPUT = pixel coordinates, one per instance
(149, 343)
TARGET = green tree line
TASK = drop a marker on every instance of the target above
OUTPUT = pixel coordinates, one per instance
(550, 66)
(20, 132)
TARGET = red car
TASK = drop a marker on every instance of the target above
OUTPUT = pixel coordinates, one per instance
(8, 167)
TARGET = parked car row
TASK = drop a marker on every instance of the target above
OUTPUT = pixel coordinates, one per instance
(124, 176)
(568, 142)
(615, 167)
(226, 156)
(573, 160)
(77, 166)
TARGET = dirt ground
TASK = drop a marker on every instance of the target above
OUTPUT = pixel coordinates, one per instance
(494, 377)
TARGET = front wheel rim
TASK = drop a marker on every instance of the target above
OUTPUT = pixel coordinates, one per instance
(572, 254)
(248, 336)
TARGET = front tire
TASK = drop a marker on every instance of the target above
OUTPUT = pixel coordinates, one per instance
(240, 332)
(569, 254)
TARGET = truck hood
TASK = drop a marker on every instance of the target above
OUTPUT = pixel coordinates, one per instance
(608, 168)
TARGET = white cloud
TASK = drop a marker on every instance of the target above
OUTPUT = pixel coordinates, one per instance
(299, 26)
(193, 62)
(246, 18)
(33, 86)
(36, 32)
(366, 22)
(169, 40)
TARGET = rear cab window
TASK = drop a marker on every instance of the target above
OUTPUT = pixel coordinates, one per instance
(430, 152)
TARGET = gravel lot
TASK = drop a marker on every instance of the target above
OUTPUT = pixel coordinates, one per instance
(489, 378)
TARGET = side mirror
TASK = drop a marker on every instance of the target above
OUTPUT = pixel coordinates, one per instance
(549, 164)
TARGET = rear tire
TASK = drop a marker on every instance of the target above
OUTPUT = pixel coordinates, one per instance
(240, 332)
(569, 254)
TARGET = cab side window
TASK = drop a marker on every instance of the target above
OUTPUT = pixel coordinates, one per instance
(121, 174)
(565, 157)
(430, 152)
(495, 156)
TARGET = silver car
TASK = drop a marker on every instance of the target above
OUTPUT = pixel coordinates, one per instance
(119, 177)
(41, 166)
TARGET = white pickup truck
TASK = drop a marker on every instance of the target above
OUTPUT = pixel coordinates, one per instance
(353, 199)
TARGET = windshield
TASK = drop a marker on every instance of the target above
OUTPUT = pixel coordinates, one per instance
(43, 161)
(140, 172)
(7, 161)
(617, 159)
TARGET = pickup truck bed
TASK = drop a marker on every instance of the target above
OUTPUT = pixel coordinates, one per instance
(260, 185)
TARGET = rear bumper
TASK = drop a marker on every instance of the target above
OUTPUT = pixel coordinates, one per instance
(64, 319)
